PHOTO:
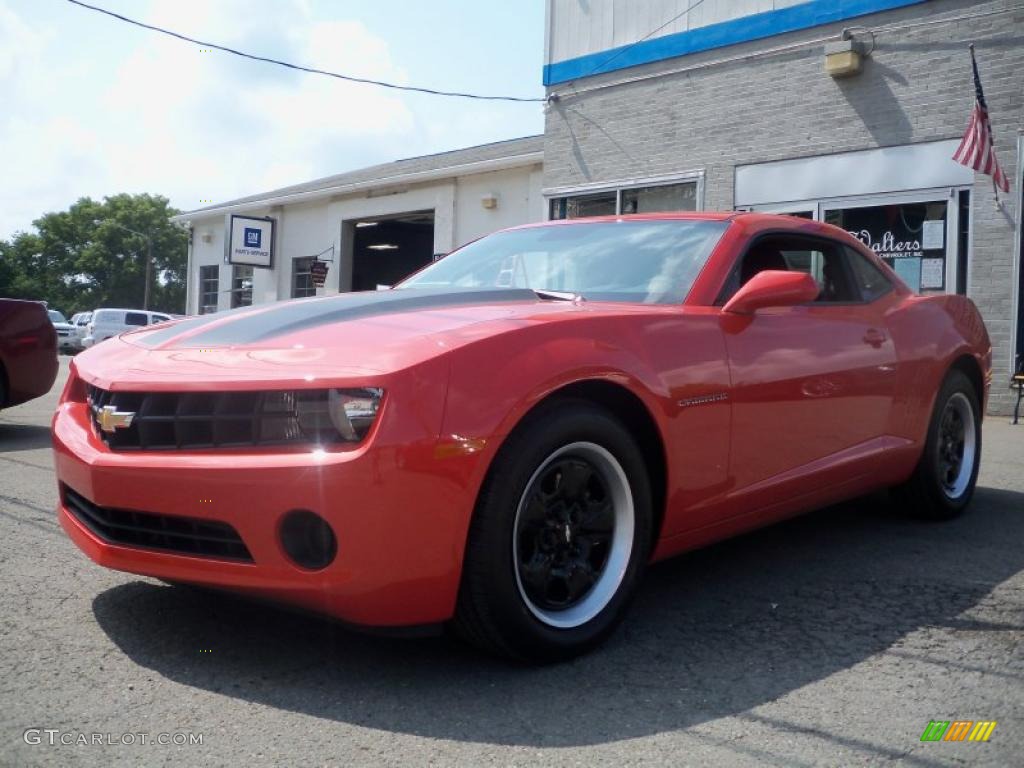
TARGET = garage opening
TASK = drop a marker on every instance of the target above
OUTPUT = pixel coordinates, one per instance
(387, 249)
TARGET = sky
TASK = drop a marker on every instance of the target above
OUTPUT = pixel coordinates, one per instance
(91, 106)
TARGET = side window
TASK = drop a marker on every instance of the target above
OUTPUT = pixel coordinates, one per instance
(871, 281)
(822, 259)
(134, 318)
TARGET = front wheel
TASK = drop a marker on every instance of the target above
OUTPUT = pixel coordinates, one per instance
(560, 536)
(943, 482)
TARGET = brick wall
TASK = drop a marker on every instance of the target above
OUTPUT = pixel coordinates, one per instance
(916, 86)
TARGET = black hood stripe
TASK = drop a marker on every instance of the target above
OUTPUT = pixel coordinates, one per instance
(250, 325)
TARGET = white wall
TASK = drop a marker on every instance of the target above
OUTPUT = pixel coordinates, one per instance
(519, 201)
(577, 28)
(309, 228)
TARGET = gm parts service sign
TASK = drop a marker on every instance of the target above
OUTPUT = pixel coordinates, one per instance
(251, 242)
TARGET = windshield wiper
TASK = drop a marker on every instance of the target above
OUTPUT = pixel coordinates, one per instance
(543, 293)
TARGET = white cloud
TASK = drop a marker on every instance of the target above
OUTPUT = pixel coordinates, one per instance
(91, 106)
(195, 125)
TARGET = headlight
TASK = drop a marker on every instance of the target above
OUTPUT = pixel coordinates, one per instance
(324, 416)
(353, 411)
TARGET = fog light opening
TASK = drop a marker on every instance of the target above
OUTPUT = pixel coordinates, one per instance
(308, 540)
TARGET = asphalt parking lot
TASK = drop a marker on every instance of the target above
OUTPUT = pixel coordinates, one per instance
(830, 640)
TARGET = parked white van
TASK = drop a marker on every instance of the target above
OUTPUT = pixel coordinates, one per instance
(110, 322)
(79, 322)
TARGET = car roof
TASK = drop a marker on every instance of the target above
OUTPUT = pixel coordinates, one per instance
(750, 218)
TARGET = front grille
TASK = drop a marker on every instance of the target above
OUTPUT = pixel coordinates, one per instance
(177, 420)
(170, 533)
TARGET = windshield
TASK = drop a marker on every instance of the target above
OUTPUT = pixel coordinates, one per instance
(653, 262)
(55, 316)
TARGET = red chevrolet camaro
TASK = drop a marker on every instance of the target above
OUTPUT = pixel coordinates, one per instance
(505, 440)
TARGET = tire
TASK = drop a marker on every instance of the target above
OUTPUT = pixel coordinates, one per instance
(943, 481)
(559, 538)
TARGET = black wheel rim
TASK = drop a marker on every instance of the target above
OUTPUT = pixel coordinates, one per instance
(564, 533)
(956, 446)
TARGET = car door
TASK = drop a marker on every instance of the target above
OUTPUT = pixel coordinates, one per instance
(812, 385)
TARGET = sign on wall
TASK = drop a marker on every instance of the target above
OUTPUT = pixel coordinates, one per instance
(251, 242)
(318, 273)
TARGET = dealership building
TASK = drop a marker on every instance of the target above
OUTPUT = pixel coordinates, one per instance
(369, 227)
(844, 111)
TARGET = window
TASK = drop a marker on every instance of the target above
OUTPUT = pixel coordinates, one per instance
(871, 281)
(241, 286)
(208, 288)
(823, 260)
(652, 262)
(654, 198)
(584, 206)
(302, 280)
(135, 318)
(909, 237)
(667, 197)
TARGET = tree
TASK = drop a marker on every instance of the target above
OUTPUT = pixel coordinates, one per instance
(83, 258)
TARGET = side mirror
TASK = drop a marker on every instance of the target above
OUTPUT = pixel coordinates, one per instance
(772, 288)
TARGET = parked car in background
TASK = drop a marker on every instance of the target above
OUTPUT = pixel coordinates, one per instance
(508, 437)
(107, 322)
(63, 328)
(79, 322)
(28, 351)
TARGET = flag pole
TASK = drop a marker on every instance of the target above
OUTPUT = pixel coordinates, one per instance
(974, 68)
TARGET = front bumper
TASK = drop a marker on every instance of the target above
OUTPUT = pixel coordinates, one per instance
(399, 506)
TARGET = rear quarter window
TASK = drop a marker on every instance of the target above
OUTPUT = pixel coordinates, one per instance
(135, 318)
(871, 281)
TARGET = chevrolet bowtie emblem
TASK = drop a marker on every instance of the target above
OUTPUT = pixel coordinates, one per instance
(108, 418)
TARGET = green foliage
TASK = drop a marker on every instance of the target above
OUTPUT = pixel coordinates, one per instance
(79, 259)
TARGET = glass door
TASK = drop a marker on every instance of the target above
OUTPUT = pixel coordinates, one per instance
(916, 235)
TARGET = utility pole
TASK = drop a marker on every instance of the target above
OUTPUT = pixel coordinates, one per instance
(149, 271)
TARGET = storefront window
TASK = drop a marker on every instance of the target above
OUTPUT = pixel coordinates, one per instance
(302, 280)
(668, 197)
(655, 198)
(909, 237)
(208, 288)
(241, 287)
(582, 206)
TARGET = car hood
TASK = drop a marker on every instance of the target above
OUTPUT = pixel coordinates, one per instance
(354, 338)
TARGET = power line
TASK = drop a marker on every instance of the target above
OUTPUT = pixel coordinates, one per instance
(635, 43)
(300, 68)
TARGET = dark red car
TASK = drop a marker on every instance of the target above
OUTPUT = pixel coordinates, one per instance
(28, 351)
(506, 439)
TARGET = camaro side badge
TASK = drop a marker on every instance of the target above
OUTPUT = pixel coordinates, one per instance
(704, 399)
(108, 418)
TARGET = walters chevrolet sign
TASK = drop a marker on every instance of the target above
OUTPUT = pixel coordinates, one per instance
(251, 242)
(887, 246)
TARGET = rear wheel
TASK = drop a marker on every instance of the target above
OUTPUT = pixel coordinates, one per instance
(560, 536)
(943, 482)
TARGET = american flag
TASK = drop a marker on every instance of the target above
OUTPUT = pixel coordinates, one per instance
(976, 150)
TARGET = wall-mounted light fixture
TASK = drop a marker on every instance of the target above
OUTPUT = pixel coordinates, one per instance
(845, 57)
(489, 201)
(206, 236)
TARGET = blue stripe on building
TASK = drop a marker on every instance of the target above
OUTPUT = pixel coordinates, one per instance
(744, 29)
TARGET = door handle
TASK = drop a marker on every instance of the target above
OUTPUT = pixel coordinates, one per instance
(874, 337)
